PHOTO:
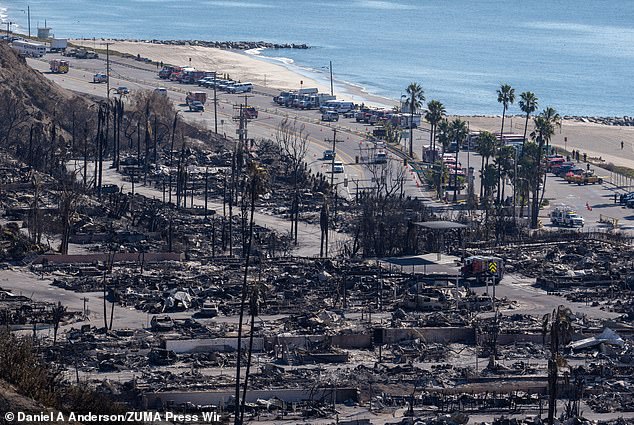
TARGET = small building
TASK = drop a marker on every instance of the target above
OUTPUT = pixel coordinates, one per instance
(44, 32)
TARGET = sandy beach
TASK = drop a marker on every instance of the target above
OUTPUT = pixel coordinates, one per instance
(596, 140)
(240, 66)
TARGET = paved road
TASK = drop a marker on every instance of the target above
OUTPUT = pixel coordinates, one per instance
(138, 75)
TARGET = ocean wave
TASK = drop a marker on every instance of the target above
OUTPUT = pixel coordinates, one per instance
(285, 61)
(575, 27)
(383, 5)
(238, 4)
(254, 52)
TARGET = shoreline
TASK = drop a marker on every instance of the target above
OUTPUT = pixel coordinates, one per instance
(242, 65)
(597, 136)
(275, 73)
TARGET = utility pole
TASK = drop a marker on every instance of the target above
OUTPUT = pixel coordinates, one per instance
(332, 182)
(332, 91)
(334, 154)
(108, 68)
(28, 13)
(215, 106)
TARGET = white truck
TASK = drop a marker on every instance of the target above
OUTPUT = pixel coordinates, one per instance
(566, 217)
(58, 44)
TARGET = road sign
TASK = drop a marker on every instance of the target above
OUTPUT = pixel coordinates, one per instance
(493, 267)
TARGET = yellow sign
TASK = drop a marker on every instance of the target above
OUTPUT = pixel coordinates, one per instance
(493, 267)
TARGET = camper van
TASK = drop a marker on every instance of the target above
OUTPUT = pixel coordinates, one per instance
(26, 48)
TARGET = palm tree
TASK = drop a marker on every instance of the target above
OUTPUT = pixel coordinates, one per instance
(504, 161)
(545, 124)
(257, 299)
(506, 96)
(487, 143)
(527, 169)
(459, 132)
(255, 186)
(489, 180)
(435, 113)
(528, 104)
(444, 138)
(414, 102)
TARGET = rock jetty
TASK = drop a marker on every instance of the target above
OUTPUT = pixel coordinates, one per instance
(624, 121)
(229, 45)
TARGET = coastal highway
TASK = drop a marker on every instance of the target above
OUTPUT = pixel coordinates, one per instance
(138, 75)
(79, 79)
(353, 136)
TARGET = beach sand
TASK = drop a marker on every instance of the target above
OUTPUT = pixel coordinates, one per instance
(240, 66)
(596, 140)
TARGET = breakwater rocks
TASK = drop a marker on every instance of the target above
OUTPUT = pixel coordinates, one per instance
(624, 121)
(229, 45)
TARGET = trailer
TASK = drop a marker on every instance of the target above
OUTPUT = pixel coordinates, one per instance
(58, 45)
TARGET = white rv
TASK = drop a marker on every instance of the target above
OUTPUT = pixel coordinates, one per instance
(27, 48)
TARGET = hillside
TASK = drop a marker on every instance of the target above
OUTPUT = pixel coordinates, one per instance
(36, 93)
(11, 401)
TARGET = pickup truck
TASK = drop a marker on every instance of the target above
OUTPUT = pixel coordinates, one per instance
(250, 112)
(583, 178)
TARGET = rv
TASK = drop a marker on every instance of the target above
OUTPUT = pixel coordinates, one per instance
(26, 48)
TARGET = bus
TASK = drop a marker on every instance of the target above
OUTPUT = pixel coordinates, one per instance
(26, 48)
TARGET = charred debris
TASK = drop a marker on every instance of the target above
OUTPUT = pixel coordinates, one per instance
(149, 223)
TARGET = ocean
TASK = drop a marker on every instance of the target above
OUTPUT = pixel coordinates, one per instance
(575, 56)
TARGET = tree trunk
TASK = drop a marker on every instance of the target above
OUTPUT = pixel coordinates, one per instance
(239, 407)
(497, 153)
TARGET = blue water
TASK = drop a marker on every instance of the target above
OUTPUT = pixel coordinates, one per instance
(576, 56)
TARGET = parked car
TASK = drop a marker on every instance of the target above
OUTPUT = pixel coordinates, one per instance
(196, 106)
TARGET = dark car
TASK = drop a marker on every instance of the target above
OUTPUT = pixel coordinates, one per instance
(564, 169)
(196, 106)
(329, 155)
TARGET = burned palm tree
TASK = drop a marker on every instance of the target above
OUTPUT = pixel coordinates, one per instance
(256, 185)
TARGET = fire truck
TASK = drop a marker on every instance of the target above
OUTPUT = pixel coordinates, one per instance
(59, 66)
(478, 269)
